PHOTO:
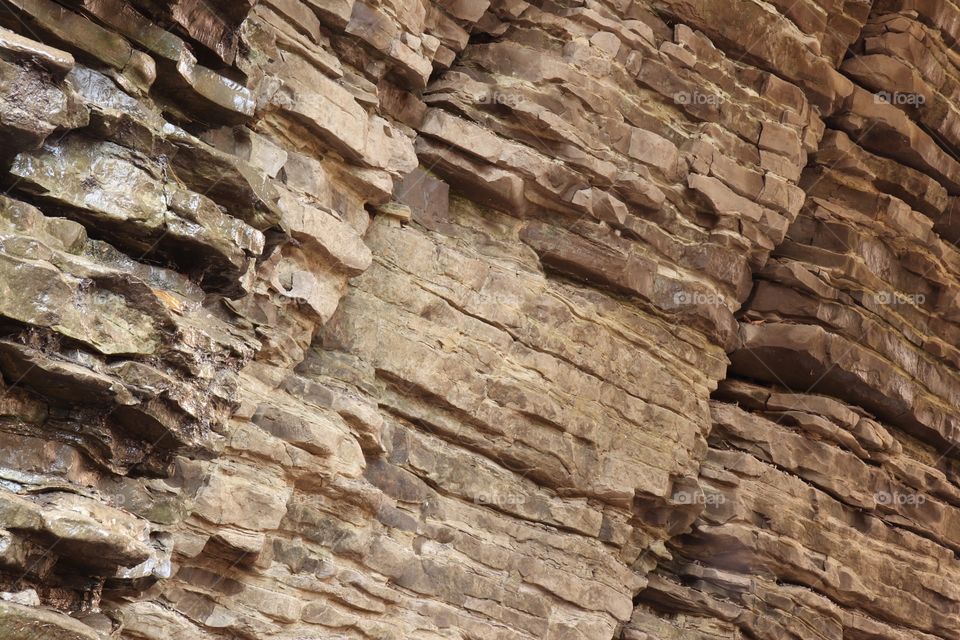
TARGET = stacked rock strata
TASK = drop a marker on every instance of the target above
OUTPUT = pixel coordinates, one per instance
(458, 319)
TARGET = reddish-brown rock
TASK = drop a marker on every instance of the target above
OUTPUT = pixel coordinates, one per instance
(470, 319)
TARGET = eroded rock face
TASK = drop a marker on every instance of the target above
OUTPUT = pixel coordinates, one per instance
(472, 319)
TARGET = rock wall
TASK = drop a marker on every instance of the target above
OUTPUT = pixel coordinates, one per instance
(479, 320)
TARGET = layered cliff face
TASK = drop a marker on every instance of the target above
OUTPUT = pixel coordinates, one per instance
(479, 320)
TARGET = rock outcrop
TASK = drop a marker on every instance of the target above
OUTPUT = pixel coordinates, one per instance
(479, 319)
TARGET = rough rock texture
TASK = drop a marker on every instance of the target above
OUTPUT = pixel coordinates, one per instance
(479, 319)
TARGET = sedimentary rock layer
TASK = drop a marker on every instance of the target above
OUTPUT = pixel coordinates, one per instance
(471, 319)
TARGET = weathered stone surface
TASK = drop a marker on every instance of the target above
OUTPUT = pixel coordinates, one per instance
(34, 99)
(469, 319)
(18, 622)
(129, 201)
(829, 490)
